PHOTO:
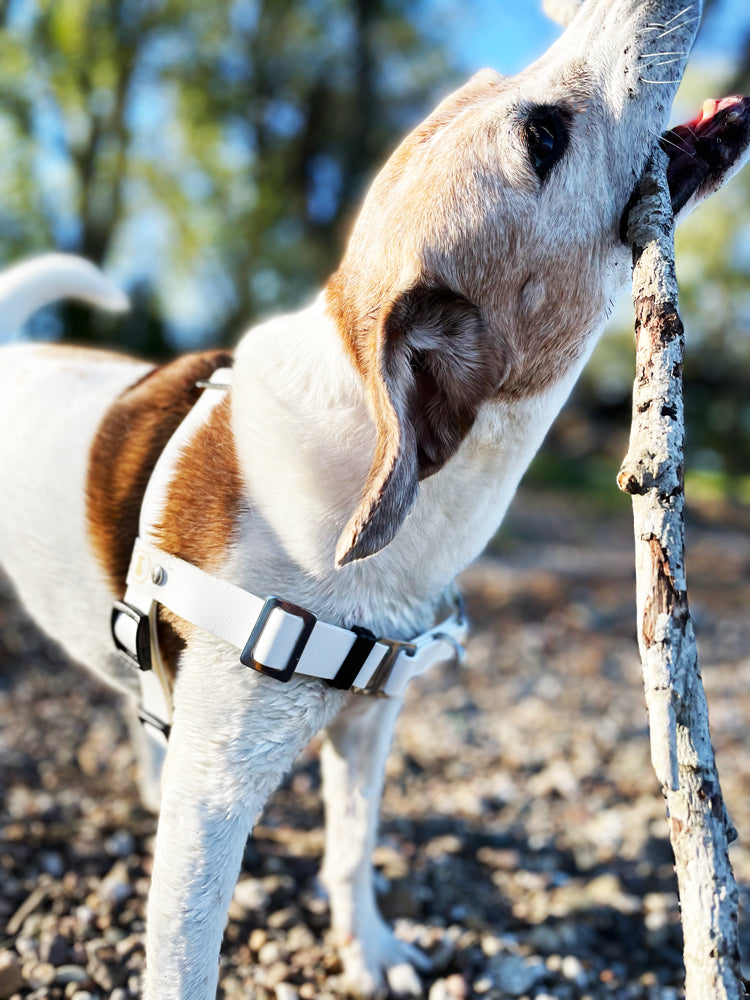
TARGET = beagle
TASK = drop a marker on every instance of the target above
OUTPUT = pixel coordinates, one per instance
(276, 529)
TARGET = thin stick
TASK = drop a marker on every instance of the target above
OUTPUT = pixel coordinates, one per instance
(681, 749)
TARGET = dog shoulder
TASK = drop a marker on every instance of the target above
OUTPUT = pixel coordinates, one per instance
(130, 438)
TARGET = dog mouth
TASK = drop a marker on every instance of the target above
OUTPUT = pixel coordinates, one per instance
(706, 151)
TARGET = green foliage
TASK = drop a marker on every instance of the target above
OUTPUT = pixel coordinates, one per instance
(213, 154)
(218, 148)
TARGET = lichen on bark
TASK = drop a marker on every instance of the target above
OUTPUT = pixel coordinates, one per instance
(652, 472)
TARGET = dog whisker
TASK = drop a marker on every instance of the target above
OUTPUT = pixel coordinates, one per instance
(657, 55)
(666, 62)
(679, 27)
(682, 146)
(685, 10)
(666, 29)
(676, 140)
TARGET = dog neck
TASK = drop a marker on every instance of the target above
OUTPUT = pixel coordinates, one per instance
(305, 439)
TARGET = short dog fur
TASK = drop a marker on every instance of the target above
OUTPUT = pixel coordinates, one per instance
(365, 454)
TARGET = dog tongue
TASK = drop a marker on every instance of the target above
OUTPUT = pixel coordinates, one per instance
(704, 152)
(711, 107)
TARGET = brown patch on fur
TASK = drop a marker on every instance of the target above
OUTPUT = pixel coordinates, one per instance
(130, 439)
(200, 513)
(457, 209)
(203, 500)
(434, 367)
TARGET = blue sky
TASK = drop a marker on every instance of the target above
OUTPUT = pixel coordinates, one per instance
(509, 35)
(506, 36)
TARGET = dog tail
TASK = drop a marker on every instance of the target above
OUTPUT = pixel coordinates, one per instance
(36, 282)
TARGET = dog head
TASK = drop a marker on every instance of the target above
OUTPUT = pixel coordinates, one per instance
(489, 248)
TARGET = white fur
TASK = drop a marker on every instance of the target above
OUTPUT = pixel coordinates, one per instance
(353, 760)
(305, 437)
(234, 734)
(40, 280)
(49, 411)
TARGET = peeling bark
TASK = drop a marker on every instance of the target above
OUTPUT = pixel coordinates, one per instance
(681, 749)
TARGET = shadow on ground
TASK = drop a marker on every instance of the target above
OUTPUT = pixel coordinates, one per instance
(523, 839)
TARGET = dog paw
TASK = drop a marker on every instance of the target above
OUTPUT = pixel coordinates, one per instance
(380, 965)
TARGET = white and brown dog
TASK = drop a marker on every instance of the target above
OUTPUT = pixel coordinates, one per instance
(351, 458)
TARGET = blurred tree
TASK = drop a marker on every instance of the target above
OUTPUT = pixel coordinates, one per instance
(222, 145)
(739, 76)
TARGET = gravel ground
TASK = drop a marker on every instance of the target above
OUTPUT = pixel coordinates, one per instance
(523, 840)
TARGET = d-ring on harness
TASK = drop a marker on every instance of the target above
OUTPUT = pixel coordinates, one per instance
(273, 636)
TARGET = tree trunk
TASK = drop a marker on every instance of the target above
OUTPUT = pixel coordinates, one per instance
(681, 749)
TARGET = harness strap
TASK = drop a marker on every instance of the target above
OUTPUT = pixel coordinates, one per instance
(274, 636)
(278, 638)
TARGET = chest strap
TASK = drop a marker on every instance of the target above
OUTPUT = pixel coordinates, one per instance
(273, 636)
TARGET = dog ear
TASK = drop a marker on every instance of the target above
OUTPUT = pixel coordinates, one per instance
(434, 365)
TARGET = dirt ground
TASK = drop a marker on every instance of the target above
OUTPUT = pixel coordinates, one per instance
(523, 840)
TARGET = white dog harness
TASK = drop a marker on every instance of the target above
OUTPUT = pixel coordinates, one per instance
(273, 636)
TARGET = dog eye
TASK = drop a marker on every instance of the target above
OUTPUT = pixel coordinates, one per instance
(545, 140)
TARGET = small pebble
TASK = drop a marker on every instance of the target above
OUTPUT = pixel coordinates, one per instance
(572, 969)
(251, 895)
(300, 938)
(516, 976)
(275, 974)
(70, 974)
(258, 938)
(120, 844)
(270, 953)
(283, 919)
(53, 948)
(285, 991)
(116, 887)
(42, 974)
(27, 948)
(52, 863)
(451, 988)
(403, 980)
(11, 979)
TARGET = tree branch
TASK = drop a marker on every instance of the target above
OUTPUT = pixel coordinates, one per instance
(652, 472)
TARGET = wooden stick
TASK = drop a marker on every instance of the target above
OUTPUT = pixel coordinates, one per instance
(652, 472)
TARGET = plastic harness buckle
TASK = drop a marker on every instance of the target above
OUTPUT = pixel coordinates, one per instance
(140, 651)
(308, 624)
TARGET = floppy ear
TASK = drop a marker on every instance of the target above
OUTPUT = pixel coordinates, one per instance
(433, 367)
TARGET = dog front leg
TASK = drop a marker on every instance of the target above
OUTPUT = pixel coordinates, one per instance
(353, 760)
(234, 735)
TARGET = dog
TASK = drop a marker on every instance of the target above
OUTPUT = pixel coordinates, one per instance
(348, 460)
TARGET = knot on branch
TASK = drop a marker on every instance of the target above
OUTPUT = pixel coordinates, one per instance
(630, 480)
